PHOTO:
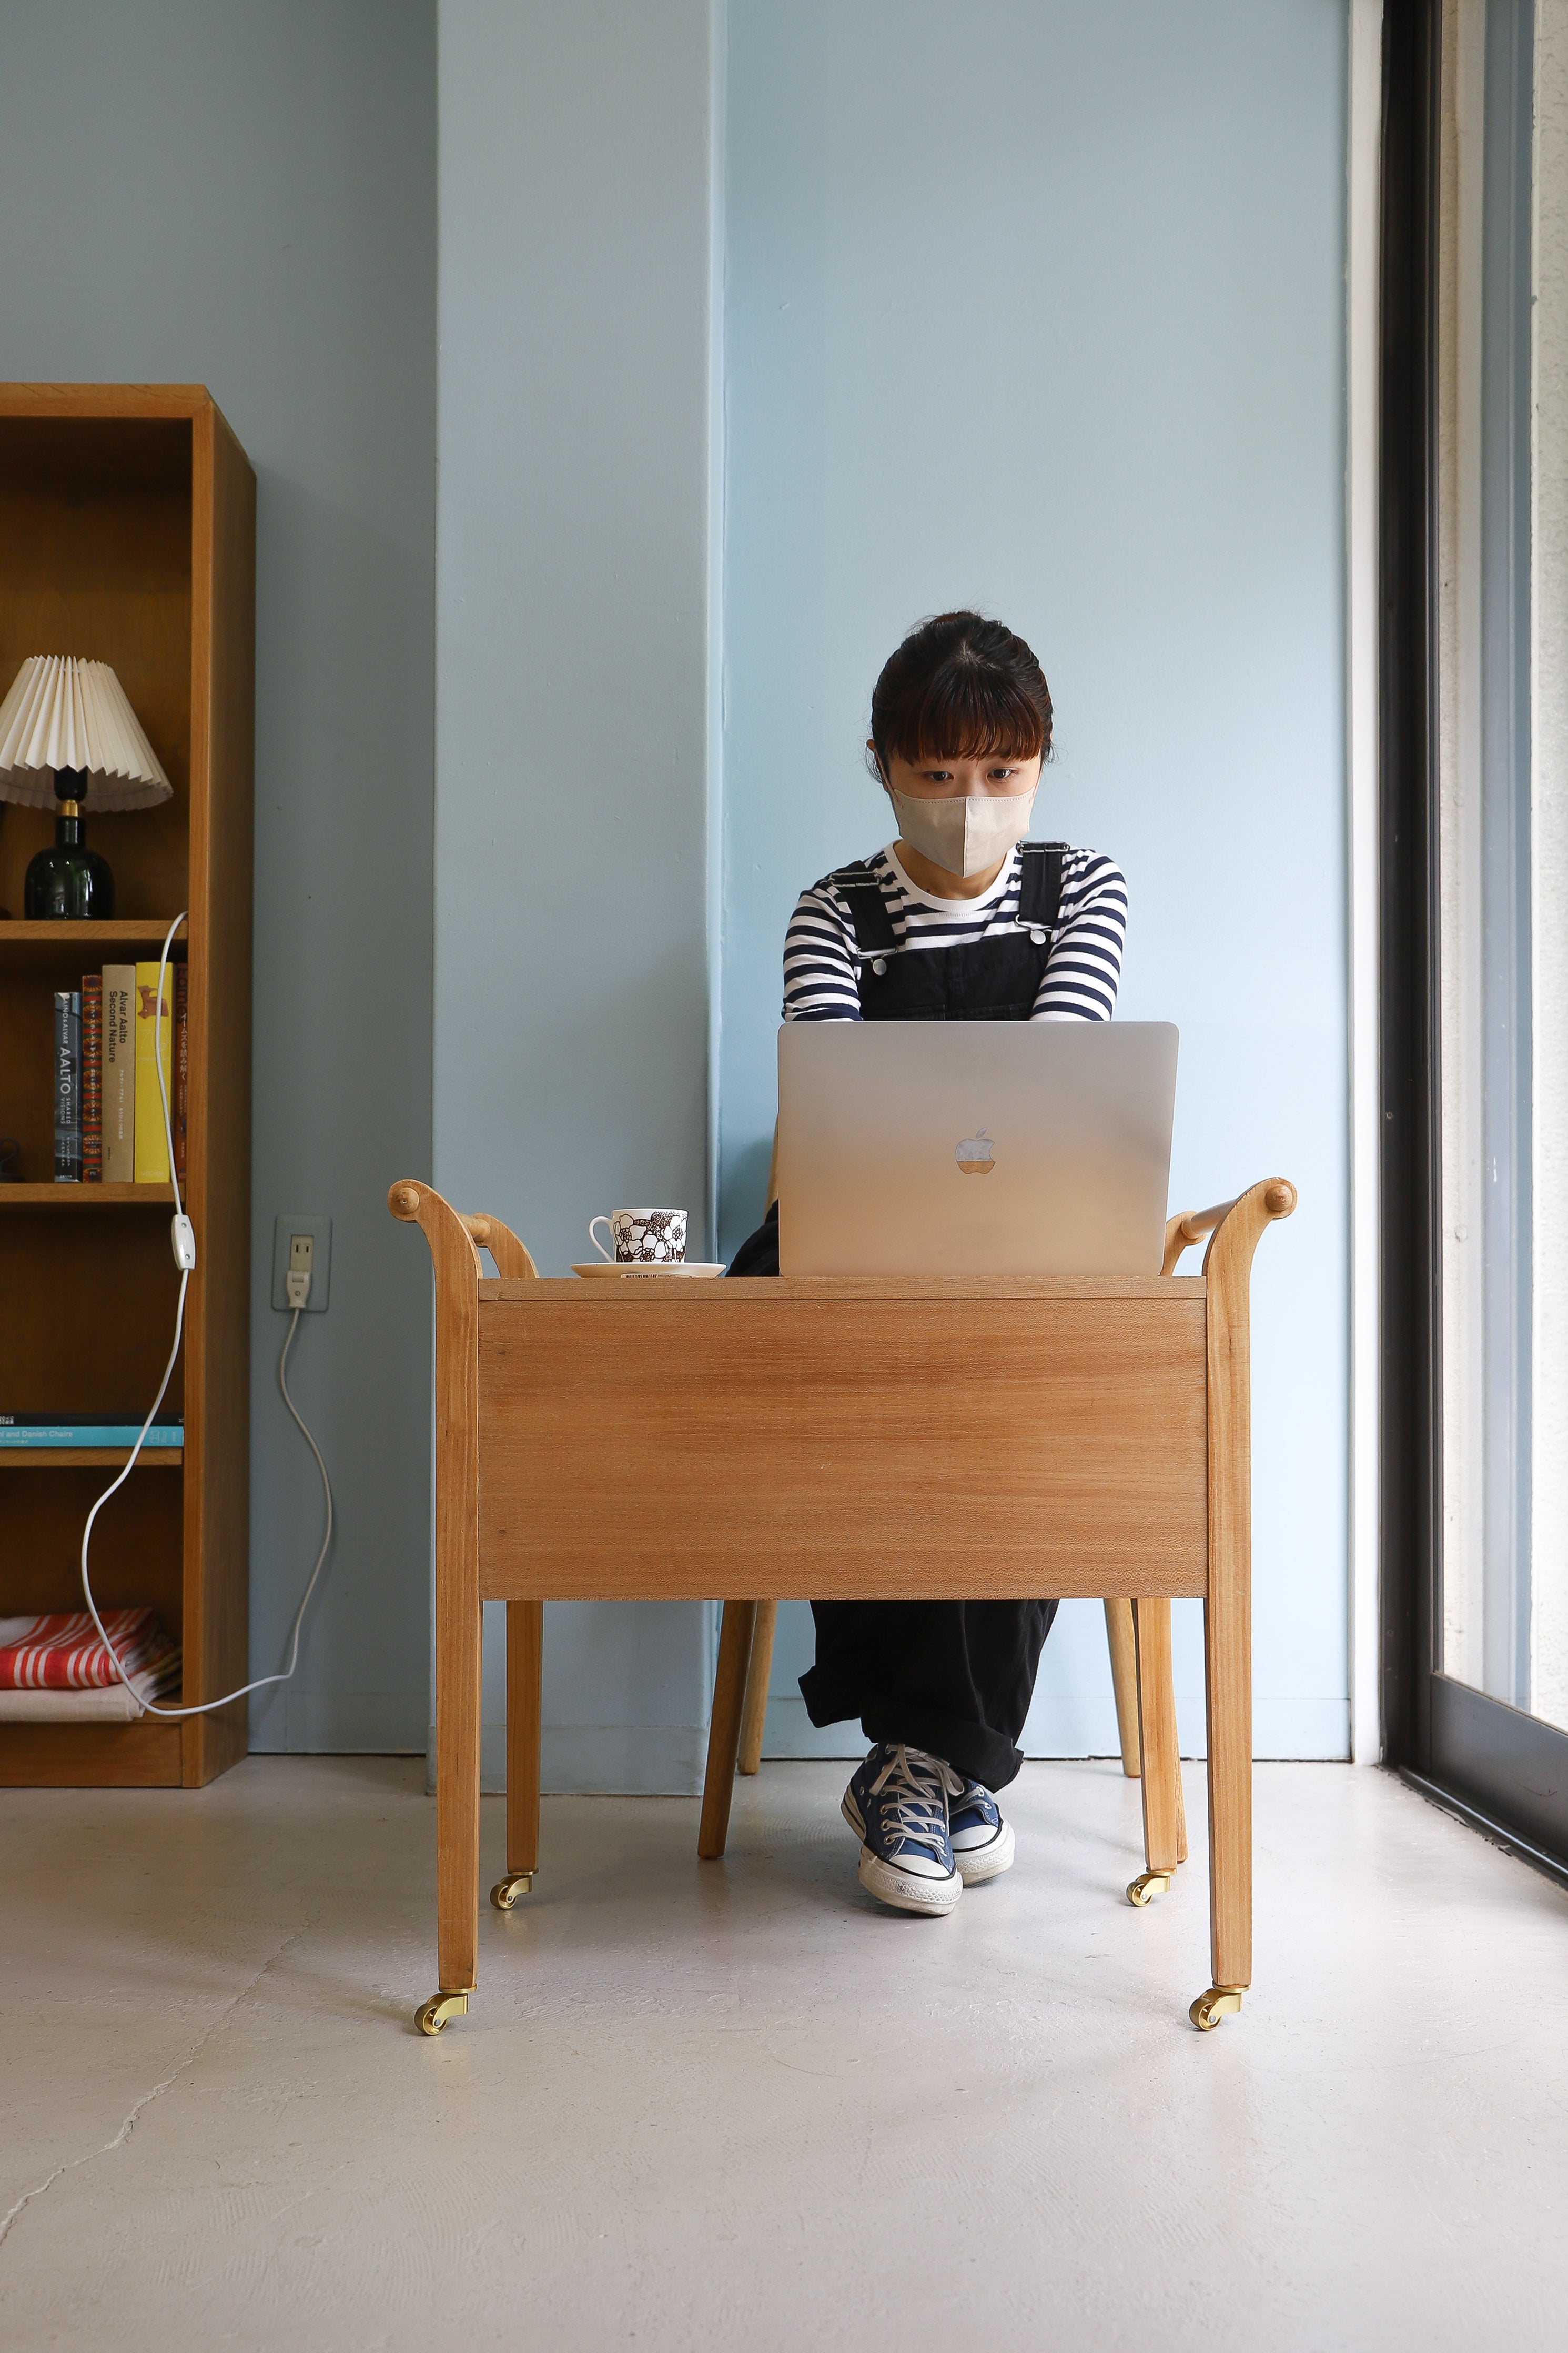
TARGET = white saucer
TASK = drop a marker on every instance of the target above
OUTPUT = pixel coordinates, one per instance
(685, 1266)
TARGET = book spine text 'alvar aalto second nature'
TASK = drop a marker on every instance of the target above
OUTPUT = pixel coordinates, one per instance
(118, 1074)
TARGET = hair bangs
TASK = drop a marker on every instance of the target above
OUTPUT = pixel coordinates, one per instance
(968, 713)
(961, 688)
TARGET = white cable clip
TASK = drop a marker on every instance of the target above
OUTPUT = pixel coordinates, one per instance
(183, 1237)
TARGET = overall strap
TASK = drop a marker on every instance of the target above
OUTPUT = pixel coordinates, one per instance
(1040, 884)
(868, 908)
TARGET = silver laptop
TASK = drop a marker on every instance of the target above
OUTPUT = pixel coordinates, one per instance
(974, 1147)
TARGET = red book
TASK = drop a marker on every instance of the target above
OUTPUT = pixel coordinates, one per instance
(92, 1078)
(181, 1066)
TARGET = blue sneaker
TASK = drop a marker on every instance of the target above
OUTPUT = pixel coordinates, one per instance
(982, 1841)
(897, 1806)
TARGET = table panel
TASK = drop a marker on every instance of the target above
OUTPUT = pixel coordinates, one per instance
(900, 1440)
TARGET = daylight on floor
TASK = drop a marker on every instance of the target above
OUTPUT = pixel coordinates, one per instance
(784, 1174)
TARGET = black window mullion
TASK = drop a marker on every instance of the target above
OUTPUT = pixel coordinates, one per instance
(1408, 1042)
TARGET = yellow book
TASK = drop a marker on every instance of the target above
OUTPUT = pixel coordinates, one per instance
(118, 1074)
(152, 1144)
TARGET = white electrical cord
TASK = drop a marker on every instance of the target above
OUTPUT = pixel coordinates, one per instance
(184, 1248)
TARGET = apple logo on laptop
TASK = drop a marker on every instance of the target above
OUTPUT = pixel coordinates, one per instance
(973, 1155)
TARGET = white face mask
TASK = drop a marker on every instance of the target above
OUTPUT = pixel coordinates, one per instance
(966, 833)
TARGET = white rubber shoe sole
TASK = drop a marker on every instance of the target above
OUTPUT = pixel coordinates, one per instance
(906, 1891)
(985, 1862)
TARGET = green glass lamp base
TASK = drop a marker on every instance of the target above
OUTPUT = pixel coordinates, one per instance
(69, 883)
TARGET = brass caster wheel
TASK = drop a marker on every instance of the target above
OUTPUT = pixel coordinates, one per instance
(1220, 2001)
(505, 1891)
(1149, 1883)
(431, 2016)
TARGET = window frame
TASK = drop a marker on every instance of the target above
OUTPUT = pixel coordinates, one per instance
(1500, 1768)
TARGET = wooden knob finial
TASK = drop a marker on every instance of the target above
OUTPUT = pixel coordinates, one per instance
(1280, 1197)
(403, 1200)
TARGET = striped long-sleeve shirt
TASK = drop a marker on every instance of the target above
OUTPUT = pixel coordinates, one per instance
(1082, 968)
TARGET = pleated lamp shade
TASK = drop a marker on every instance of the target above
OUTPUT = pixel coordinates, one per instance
(66, 714)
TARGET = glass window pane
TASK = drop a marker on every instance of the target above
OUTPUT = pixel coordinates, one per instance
(1549, 828)
(1502, 621)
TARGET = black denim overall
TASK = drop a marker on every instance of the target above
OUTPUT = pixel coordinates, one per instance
(954, 1677)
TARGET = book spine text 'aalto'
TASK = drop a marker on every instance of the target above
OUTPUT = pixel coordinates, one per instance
(68, 1087)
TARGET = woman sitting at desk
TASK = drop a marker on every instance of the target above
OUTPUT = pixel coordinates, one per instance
(958, 919)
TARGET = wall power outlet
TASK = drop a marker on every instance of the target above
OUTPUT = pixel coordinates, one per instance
(304, 1244)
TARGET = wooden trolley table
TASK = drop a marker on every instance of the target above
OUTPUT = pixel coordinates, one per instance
(886, 1437)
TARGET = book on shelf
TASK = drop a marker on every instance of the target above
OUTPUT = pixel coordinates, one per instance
(91, 1078)
(68, 1086)
(154, 1047)
(83, 1429)
(118, 1074)
(107, 1114)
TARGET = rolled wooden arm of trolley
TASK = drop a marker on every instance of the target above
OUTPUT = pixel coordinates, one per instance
(511, 1257)
(1182, 1233)
(824, 1431)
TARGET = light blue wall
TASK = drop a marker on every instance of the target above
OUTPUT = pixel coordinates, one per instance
(243, 196)
(572, 890)
(1039, 307)
(1027, 303)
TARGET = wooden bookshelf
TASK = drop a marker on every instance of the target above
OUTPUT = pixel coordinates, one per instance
(116, 943)
(47, 1458)
(82, 1197)
(128, 535)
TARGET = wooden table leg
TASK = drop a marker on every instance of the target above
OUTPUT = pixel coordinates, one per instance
(458, 1687)
(724, 1731)
(754, 1713)
(1162, 1824)
(524, 1669)
(1227, 1609)
(458, 1620)
(1227, 1661)
(1120, 1636)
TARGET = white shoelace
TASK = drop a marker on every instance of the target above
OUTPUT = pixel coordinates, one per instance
(917, 1785)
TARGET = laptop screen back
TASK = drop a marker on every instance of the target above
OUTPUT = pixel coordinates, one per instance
(974, 1147)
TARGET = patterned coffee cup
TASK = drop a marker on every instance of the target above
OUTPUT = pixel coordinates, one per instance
(643, 1237)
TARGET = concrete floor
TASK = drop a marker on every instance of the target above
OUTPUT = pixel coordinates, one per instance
(738, 2106)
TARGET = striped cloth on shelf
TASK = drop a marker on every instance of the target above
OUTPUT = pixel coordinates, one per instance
(61, 1651)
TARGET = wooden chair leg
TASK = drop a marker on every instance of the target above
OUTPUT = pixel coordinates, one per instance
(724, 1731)
(754, 1713)
(524, 1669)
(1181, 1799)
(1162, 1822)
(1120, 1636)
